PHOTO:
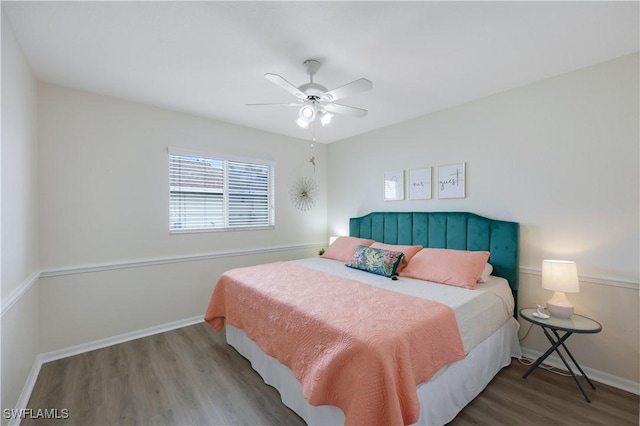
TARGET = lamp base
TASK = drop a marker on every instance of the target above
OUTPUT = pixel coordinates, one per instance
(560, 311)
(559, 306)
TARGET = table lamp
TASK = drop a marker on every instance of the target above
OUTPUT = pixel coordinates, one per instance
(560, 276)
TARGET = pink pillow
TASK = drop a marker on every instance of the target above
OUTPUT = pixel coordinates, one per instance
(454, 267)
(343, 248)
(409, 252)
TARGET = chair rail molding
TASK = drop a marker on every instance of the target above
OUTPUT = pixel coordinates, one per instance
(13, 297)
(607, 281)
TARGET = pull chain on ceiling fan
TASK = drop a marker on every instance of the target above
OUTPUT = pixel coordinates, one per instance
(315, 101)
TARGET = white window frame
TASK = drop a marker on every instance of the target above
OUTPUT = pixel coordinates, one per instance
(227, 224)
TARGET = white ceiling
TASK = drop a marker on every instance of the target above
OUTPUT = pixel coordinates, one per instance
(209, 58)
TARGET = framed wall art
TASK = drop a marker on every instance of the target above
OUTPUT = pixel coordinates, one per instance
(451, 181)
(420, 184)
(394, 186)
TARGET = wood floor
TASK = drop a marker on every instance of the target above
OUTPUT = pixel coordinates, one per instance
(190, 376)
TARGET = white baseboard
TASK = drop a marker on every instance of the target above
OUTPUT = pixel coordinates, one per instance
(595, 375)
(109, 341)
(23, 400)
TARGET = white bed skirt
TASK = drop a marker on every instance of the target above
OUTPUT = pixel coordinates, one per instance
(441, 398)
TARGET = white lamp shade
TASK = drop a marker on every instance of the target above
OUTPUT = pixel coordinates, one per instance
(560, 275)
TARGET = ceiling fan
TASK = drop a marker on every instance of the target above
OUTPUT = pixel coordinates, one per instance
(315, 101)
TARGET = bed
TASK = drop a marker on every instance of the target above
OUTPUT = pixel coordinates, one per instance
(484, 317)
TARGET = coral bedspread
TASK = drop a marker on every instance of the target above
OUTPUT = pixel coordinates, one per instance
(358, 347)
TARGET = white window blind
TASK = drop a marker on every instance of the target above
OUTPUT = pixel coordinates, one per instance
(216, 193)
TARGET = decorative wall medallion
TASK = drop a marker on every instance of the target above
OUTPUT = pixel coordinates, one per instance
(304, 193)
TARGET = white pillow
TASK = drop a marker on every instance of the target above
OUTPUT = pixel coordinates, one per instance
(484, 276)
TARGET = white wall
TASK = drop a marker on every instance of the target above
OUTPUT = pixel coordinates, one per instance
(19, 251)
(104, 201)
(559, 156)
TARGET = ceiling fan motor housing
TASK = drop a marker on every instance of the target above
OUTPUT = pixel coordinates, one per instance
(313, 89)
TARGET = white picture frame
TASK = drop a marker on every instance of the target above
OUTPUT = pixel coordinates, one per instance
(452, 181)
(420, 184)
(394, 186)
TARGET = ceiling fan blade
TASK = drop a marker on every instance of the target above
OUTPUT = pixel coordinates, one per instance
(346, 110)
(289, 104)
(357, 86)
(279, 81)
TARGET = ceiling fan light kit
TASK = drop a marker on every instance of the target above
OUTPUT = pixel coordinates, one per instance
(308, 112)
(325, 117)
(302, 123)
(315, 101)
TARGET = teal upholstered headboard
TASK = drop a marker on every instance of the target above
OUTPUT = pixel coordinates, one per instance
(452, 230)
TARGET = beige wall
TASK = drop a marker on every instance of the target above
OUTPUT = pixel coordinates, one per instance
(104, 191)
(19, 225)
(559, 156)
(104, 201)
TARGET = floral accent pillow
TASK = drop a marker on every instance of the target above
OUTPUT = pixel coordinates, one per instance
(409, 252)
(377, 261)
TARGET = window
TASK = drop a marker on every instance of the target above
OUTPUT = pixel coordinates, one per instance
(217, 193)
